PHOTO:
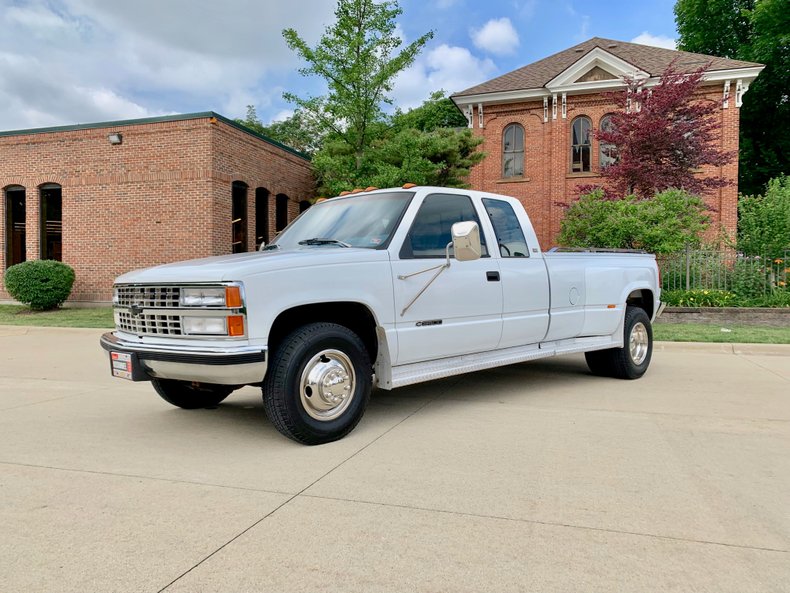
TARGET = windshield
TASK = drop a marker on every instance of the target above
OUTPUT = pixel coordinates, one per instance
(360, 221)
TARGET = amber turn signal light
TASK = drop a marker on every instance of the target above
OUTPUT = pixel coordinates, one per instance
(236, 325)
(232, 297)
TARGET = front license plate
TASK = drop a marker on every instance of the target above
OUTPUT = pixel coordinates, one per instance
(122, 365)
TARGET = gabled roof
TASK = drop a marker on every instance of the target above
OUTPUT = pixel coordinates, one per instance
(650, 60)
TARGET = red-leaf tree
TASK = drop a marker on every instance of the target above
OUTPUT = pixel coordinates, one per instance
(662, 135)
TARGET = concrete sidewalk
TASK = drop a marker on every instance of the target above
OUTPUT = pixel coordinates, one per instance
(536, 477)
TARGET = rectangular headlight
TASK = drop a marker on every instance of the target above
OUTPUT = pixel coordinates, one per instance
(215, 326)
(203, 297)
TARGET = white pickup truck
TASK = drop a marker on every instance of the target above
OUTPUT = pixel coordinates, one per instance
(392, 287)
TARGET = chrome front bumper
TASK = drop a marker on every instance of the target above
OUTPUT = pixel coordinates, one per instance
(238, 365)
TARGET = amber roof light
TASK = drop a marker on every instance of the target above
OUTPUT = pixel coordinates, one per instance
(409, 185)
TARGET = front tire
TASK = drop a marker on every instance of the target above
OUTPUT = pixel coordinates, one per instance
(630, 361)
(318, 383)
(191, 396)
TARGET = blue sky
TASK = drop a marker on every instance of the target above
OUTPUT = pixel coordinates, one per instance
(77, 61)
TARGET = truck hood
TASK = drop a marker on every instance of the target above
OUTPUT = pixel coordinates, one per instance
(242, 265)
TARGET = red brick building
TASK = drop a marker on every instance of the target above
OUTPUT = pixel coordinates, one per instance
(107, 198)
(537, 123)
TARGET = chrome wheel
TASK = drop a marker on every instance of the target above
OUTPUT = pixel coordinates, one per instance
(638, 343)
(327, 385)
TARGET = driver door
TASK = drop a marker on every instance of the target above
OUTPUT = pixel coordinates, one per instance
(460, 312)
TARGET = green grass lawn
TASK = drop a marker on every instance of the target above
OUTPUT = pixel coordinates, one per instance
(68, 317)
(702, 332)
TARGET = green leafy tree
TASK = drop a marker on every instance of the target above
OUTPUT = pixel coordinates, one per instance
(758, 31)
(764, 221)
(438, 111)
(358, 57)
(665, 223)
(299, 131)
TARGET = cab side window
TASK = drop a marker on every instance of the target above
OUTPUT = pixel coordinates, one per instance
(430, 231)
(509, 235)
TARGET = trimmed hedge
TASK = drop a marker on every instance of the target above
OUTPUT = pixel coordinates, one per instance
(42, 284)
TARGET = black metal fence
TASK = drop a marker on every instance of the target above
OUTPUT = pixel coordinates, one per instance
(746, 275)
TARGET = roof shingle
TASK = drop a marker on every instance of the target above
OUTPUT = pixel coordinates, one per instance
(652, 60)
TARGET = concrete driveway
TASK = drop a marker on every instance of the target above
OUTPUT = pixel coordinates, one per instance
(537, 477)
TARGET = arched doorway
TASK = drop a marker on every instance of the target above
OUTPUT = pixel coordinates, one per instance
(51, 216)
(238, 217)
(261, 216)
(281, 212)
(15, 205)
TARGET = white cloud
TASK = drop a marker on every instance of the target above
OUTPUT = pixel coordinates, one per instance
(445, 67)
(70, 61)
(655, 40)
(497, 36)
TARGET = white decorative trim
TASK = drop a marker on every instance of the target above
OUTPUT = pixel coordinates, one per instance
(564, 106)
(596, 57)
(725, 103)
(480, 116)
(545, 109)
(554, 106)
(747, 75)
(469, 113)
(740, 90)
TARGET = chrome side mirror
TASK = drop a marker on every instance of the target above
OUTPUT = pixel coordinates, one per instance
(466, 241)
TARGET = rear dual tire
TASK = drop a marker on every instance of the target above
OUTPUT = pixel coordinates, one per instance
(630, 361)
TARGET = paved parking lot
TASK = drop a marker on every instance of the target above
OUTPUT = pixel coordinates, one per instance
(536, 477)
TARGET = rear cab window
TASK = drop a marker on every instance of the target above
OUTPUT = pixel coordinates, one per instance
(509, 234)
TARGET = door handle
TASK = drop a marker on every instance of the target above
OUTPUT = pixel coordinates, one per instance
(492, 276)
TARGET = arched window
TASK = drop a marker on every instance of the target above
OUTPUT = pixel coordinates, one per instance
(304, 205)
(15, 225)
(261, 216)
(580, 145)
(51, 216)
(607, 154)
(513, 151)
(238, 214)
(281, 212)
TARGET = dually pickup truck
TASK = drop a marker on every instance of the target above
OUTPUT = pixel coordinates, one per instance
(388, 287)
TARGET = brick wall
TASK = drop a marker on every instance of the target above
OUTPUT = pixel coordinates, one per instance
(162, 195)
(548, 183)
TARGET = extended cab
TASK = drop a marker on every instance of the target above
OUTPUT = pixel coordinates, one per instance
(388, 287)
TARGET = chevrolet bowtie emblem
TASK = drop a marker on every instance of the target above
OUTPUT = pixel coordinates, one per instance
(136, 310)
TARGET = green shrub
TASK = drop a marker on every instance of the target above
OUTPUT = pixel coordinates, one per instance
(699, 298)
(42, 284)
(750, 280)
(764, 221)
(665, 223)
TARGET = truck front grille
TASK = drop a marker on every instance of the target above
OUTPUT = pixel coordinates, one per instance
(147, 296)
(148, 324)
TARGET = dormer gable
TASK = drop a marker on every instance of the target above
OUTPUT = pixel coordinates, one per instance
(597, 69)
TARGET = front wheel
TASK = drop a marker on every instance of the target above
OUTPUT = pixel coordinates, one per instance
(318, 383)
(190, 396)
(630, 361)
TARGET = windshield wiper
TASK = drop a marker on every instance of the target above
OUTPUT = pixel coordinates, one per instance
(323, 241)
(270, 247)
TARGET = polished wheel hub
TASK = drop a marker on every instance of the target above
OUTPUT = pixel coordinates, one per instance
(327, 385)
(638, 343)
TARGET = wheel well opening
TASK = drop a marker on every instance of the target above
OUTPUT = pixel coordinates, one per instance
(355, 316)
(643, 299)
